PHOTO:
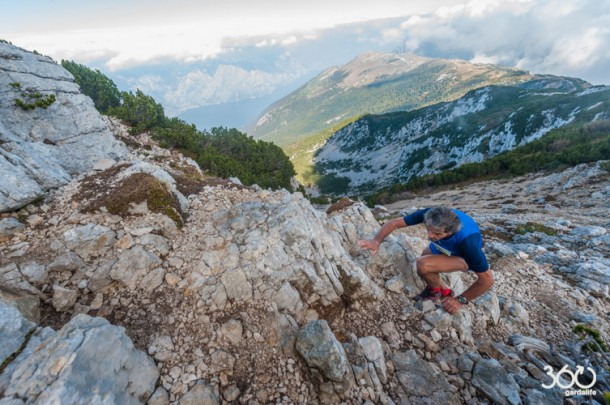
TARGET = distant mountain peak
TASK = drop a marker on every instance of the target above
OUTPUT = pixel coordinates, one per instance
(374, 83)
(374, 66)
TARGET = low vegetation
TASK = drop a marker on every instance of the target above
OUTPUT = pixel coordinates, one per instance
(532, 227)
(29, 99)
(302, 152)
(591, 338)
(98, 191)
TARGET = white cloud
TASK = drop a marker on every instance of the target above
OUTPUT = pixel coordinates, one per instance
(137, 32)
(232, 49)
(544, 36)
(391, 34)
(150, 83)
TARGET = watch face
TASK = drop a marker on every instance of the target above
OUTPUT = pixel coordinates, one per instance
(462, 300)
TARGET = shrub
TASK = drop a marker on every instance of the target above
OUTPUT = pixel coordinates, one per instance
(30, 99)
(95, 84)
(531, 227)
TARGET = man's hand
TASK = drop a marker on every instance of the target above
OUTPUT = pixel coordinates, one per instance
(451, 305)
(369, 244)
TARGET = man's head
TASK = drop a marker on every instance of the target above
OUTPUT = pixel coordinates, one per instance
(441, 222)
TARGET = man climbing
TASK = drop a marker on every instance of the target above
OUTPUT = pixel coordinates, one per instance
(455, 245)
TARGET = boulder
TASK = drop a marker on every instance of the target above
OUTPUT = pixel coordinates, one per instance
(322, 351)
(420, 381)
(133, 265)
(13, 329)
(493, 381)
(201, 394)
(87, 361)
(89, 240)
(43, 148)
(9, 226)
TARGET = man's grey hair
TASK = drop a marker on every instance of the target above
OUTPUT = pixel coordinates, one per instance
(442, 218)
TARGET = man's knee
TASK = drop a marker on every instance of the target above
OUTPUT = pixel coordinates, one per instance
(423, 265)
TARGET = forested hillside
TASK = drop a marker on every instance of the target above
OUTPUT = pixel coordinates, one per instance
(381, 151)
(221, 151)
(563, 147)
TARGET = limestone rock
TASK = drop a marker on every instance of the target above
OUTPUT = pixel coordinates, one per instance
(9, 226)
(13, 329)
(287, 298)
(87, 361)
(156, 243)
(133, 265)
(162, 348)
(63, 298)
(34, 272)
(321, 350)
(371, 347)
(153, 279)
(201, 394)
(232, 331)
(67, 262)
(222, 362)
(27, 304)
(10, 276)
(493, 381)
(89, 240)
(43, 148)
(420, 380)
(490, 305)
(394, 284)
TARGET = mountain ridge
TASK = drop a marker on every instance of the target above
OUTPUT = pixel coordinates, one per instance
(374, 83)
(381, 150)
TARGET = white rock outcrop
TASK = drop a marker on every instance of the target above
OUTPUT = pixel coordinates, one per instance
(43, 148)
(87, 361)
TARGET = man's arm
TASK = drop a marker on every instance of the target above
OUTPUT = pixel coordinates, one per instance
(385, 230)
(484, 282)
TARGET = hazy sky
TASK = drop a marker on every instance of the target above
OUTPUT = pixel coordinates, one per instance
(129, 32)
(193, 53)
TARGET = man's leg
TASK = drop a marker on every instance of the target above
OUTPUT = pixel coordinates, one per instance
(429, 267)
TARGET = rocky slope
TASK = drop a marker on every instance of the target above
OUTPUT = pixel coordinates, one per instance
(379, 151)
(244, 295)
(43, 147)
(143, 280)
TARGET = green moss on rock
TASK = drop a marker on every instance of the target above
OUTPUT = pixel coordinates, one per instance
(135, 189)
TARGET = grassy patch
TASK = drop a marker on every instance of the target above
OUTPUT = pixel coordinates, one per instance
(137, 188)
(301, 153)
(31, 99)
(98, 191)
(584, 332)
(531, 227)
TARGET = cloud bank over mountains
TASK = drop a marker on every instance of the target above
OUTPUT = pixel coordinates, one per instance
(197, 54)
(570, 38)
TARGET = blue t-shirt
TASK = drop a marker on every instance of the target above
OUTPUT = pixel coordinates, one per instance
(467, 243)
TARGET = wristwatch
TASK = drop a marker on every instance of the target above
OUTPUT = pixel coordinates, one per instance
(463, 300)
